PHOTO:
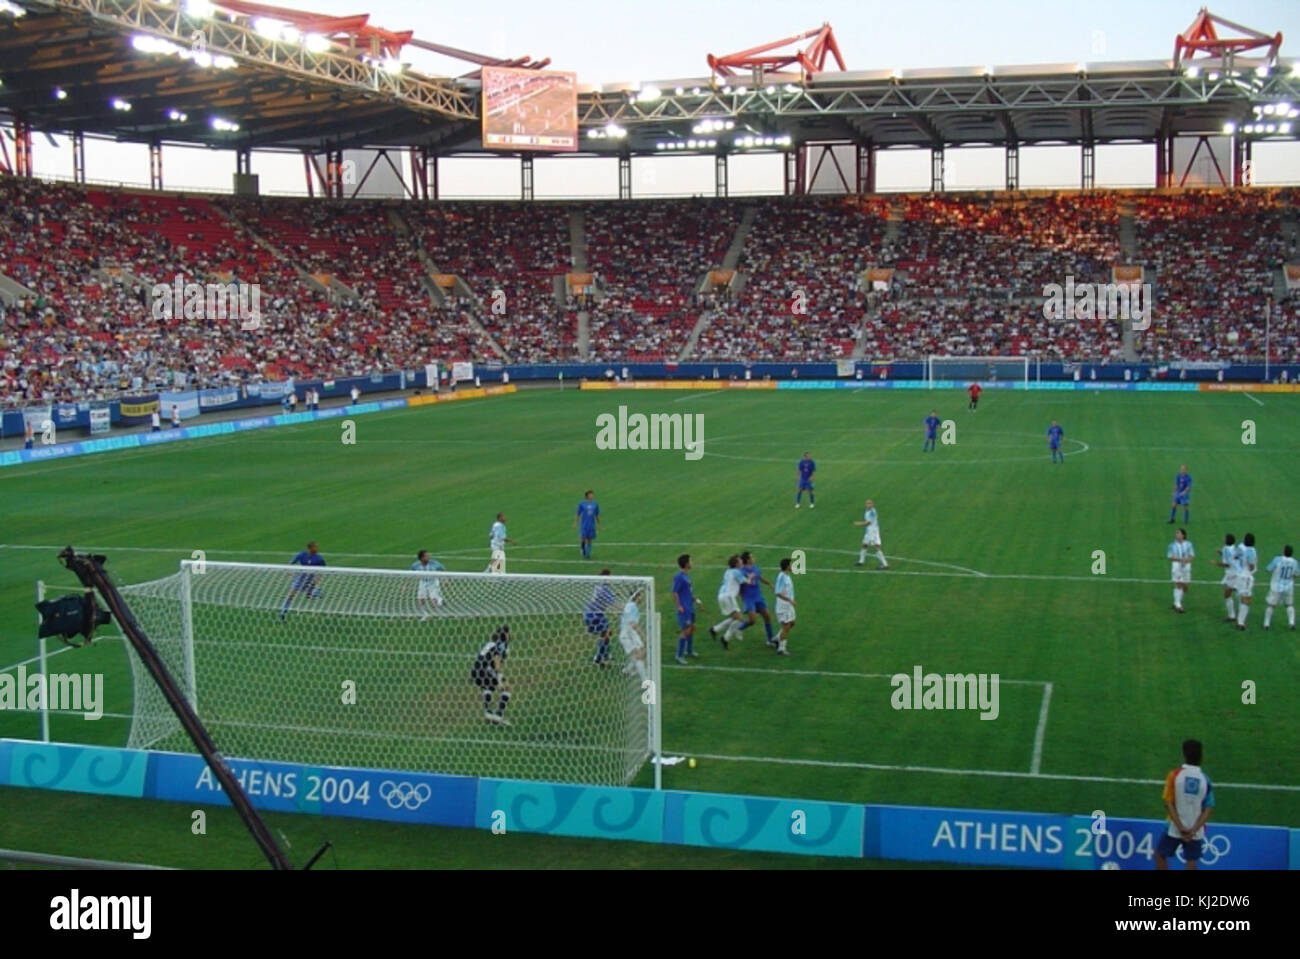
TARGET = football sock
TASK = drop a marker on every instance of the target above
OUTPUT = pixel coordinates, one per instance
(602, 650)
(746, 624)
(781, 645)
(501, 707)
(1268, 616)
(640, 667)
(768, 627)
(881, 556)
(1178, 596)
(717, 627)
(1187, 516)
(862, 556)
(1290, 616)
(1242, 612)
(681, 646)
(1232, 610)
(1173, 511)
(811, 498)
(732, 631)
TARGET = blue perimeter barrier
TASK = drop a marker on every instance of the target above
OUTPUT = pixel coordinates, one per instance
(711, 820)
(130, 441)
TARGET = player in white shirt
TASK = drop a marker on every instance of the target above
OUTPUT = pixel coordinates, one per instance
(1228, 562)
(784, 591)
(1180, 554)
(1281, 589)
(870, 536)
(1247, 562)
(155, 422)
(629, 635)
(497, 540)
(428, 592)
(729, 604)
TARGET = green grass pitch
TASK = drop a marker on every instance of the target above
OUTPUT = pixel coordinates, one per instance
(993, 551)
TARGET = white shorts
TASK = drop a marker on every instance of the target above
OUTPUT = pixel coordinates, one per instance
(1245, 585)
(430, 590)
(871, 539)
(784, 613)
(498, 564)
(728, 604)
(1286, 598)
(1229, 580)
(1182, 572)
(630, 642)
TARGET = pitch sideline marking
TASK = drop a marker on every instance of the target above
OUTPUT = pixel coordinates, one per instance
(941, 770)
(1252, 399)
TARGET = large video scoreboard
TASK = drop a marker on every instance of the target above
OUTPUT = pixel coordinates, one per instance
(530, 109)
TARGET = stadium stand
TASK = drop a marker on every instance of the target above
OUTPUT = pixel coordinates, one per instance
(348, 288)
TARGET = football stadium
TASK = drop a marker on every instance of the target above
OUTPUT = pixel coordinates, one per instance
(418, 458)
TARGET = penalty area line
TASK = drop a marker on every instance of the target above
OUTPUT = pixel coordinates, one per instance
(944, 771)
(1036, 762)
(1252, 399)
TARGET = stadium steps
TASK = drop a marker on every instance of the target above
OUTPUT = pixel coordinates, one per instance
(578, 240)
(11, 291)
(702, 324)
(732, 260)
(466, 292)
(1127, 235)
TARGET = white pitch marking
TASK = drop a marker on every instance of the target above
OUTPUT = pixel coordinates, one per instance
(940, 770)
(27, 662)
(1252, 399)
(825, 672)
(1035, 764)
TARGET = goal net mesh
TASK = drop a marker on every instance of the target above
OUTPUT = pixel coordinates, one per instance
(982, 368)
(366, 669)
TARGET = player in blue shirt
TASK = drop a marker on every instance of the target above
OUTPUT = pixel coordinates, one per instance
(751, 595)
(806, 469)
(1054, 434)
(931, 432)
(601, 602)
(685, 600)
(303, 582)
(587, 518)
(1182, 494)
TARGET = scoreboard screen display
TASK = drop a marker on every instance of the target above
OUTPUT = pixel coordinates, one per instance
(529, 109)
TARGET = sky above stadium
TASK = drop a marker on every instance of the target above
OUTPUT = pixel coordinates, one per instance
(623, 41)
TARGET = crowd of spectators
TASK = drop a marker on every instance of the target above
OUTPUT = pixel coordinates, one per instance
(346, 288)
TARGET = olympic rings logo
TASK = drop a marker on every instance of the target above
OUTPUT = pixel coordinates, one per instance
(1210, 849)
(405, 794)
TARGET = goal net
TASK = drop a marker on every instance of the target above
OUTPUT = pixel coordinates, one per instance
(970, 369)
(376, 668)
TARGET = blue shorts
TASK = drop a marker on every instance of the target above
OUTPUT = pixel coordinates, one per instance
(1182, 499)
(930, 437)
(1168, 847)
(596, 623)
(685, 619)
(586, 533)
(753, 605)
(303, 582)
(1054, 447)
(805, 484)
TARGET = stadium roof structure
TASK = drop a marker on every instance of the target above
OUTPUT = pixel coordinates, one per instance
(166, 71)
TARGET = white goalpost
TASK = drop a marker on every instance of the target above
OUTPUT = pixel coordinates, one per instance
(376, 668)
(971, 369)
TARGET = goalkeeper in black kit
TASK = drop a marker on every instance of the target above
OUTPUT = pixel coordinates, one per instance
(487, 675)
